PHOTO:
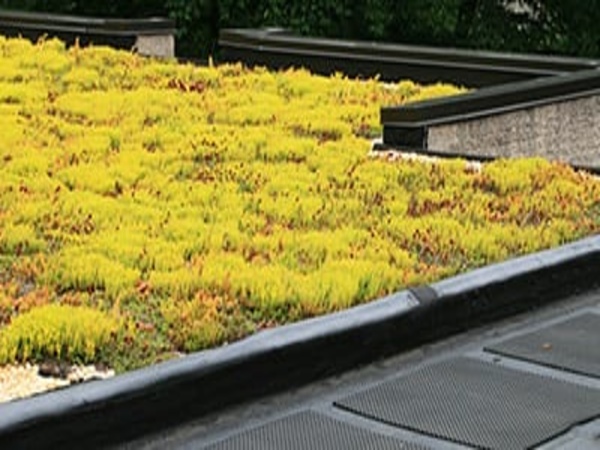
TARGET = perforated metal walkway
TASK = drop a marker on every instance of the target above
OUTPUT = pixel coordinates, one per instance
(529, 382)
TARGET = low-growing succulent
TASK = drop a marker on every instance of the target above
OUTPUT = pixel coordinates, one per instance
(202, 203)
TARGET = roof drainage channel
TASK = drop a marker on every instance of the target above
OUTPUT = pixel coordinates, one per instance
(278, 48)
(120, 409)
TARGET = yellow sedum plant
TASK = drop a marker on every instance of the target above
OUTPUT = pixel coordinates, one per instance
(76, 334)
(201, 204)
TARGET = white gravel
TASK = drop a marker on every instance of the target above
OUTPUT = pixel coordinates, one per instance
(24, 381)
(395, 155)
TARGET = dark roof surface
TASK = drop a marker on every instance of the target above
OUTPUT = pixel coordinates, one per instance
(529, 381)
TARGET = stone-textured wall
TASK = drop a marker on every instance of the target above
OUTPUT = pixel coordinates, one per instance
(568, 131)
(162, 46)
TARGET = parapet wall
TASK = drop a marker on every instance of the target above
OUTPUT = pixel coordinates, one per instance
(556, 118)
(567, 131)
(150, 37)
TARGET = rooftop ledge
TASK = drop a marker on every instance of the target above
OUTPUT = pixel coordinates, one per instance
(524, 105)
(553, 117)
(154, 36)
(277, 47)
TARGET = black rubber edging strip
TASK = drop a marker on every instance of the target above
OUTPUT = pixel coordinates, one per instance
(278, 48)
(148, 400)
(115, 410)
(513, 286)
(282, 38)
(117, 33)
(86, 25)
(494, 100)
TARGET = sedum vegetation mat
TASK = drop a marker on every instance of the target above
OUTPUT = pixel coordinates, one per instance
(149, 208)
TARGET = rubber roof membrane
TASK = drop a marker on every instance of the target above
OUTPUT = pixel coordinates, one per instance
(478, 403)
(311, 430)
(572, 345)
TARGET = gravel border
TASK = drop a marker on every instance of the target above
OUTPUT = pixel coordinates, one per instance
(18, 382)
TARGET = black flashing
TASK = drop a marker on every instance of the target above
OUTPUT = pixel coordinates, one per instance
(92, 25)
(277, 48)
(493, 100)
(119, 33)
(407, 137)
(115, 410)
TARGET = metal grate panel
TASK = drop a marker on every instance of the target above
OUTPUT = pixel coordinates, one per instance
(477, 403)
(311, 431)
(572, 345)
